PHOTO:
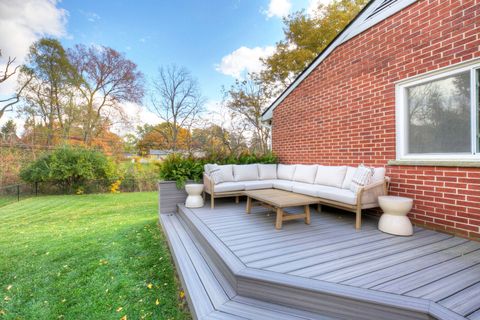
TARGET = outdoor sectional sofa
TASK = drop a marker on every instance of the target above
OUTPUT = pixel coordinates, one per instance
(331, 184)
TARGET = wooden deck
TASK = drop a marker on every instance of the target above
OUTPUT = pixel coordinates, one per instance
(329, 269)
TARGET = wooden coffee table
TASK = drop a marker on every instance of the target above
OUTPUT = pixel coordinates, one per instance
(277, 200)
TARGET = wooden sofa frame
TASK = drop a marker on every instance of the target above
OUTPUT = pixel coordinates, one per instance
(356, 208)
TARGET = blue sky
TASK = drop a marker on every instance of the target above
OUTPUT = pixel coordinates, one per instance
(217, 40)
(194, 34)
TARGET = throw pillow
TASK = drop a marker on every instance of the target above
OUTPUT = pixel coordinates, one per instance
(361, 178)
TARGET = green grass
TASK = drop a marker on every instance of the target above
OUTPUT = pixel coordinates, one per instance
(86, 257)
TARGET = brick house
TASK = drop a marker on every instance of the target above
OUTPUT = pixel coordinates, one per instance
(398, 87)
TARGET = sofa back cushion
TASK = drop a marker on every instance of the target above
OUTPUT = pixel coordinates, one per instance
(305, 173)
(222, 173)
(285, 171)
(331, 176)
(207, 168)
(245, 172)
(267, 171)
(347, 181)
(378, 174)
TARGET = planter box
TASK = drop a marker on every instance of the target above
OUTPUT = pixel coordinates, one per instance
(169, 196)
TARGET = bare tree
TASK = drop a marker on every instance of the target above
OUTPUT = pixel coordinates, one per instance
(107, 79)
(176, 99)
(247, 99)
(7, 103)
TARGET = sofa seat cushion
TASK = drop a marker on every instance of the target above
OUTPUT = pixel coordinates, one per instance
(306, 188)
(286, 185)
(245, 172)
(305, 173)
(258, 184)
(229, 186)
(337, 194)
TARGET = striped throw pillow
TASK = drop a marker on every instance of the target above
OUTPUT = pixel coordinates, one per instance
(361, 178)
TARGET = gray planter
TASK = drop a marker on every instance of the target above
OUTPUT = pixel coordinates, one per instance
(169, 196)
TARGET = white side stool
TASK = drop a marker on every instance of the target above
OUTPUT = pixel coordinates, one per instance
(194, 199)
(395, 220)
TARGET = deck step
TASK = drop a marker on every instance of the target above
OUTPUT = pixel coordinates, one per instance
(240, 289)
(209, 294)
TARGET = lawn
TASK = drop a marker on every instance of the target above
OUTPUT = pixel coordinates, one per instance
(86, 257)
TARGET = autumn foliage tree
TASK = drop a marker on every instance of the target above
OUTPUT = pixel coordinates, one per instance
(159, 137)
(305, 37)
(107, 79)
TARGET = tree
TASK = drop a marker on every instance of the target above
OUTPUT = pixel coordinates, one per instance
(176, 99)
(248, 99)
(107, 79)
(159, 137)
(9, 131)
(305, 37)
(48, 79)
(7, 103)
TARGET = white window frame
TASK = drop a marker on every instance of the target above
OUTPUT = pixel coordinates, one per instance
(401, 112)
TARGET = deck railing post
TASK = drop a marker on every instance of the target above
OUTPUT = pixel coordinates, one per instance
(18, 192)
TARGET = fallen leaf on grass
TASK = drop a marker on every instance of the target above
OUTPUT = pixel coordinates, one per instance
(7, 298)
(119, 309)
(124, 317)
(157, 302)
(182, 294)
(103, 262)
(149, 286)
(9, 287)
(2, 312)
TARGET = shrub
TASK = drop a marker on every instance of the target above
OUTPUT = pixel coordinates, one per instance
(70, 168)
(180, 168)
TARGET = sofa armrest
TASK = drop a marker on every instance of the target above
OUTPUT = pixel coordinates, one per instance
(207, 183)
(370, 193)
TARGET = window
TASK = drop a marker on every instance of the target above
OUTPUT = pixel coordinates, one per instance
(438, 115)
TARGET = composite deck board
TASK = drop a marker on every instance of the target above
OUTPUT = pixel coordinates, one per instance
(342, 274)
(474, 315)
(429, 275)
(433, 266)
(465, 301)
(381, 276)
(307, 251)
(312, 264)
(331, 235)
(444, 287)
(283, 250)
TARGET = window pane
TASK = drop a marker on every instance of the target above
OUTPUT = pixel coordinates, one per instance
(439, 116)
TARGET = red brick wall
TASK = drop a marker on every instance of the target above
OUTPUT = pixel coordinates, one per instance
(344, 112)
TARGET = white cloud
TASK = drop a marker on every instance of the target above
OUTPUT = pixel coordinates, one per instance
(24, 22)
(278, 8)
(91, 16)
(244, 60)
(138, 115)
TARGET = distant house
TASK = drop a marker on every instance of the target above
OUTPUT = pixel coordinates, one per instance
(154, 154)
(398, 87)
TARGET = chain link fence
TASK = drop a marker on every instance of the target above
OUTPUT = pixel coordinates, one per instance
(17, 192)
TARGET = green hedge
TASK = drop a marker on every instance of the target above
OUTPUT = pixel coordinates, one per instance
(181, 168)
